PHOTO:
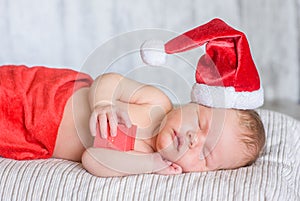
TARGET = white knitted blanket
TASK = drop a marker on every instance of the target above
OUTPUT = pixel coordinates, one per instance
(275, 176)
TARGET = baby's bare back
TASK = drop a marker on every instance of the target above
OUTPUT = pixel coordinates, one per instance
(73, 133)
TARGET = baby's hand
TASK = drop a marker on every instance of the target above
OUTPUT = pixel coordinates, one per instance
(104, 114)
(169, 168)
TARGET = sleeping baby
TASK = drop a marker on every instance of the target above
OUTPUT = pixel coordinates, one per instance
(116, 126)
(161, 139)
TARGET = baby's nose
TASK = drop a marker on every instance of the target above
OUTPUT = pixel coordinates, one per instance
(192, 139)
(195, 138)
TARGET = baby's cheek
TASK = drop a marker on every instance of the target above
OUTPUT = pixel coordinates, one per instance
(191, 162)
(163, 141)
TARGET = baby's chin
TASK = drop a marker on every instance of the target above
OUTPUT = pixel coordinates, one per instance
(164, 150)
(170, 154)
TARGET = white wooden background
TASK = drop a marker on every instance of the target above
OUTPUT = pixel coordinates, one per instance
(63, 33)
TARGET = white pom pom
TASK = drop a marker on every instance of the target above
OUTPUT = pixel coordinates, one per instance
(153, 52)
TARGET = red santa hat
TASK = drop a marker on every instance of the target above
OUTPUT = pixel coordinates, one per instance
(226, 76)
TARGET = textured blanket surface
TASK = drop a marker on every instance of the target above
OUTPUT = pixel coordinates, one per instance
(274, 176)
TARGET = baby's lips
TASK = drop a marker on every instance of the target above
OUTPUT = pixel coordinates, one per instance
(178, 140)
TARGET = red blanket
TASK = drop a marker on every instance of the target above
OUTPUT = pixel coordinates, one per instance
(32, 102)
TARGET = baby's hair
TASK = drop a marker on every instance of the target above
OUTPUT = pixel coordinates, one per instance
(253, 136)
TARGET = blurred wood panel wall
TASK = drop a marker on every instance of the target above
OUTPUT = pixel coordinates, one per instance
(64, 32)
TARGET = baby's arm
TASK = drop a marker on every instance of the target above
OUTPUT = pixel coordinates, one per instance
(108, 163)
(112, 87)
(113, 96)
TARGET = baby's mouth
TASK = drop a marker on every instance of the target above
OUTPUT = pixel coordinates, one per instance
(177, 140)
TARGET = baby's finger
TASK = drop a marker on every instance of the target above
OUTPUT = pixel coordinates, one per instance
(124, 119)
(103, 125)
(93, 124)
(112, 119)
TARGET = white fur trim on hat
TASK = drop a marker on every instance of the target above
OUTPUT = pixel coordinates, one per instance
(153, 52)
(226, 97)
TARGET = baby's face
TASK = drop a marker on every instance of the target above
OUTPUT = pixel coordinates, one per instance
(199, 138)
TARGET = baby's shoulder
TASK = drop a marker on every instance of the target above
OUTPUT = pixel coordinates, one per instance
(141, 145)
